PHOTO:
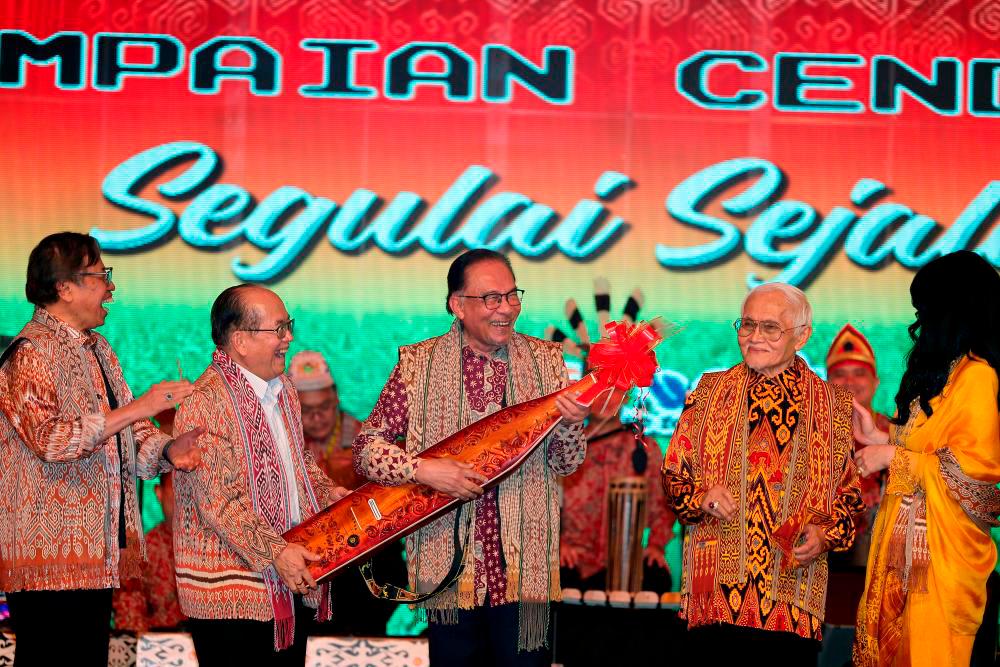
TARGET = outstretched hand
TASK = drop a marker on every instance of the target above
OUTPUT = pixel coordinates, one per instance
(865, 430)
(163, 396)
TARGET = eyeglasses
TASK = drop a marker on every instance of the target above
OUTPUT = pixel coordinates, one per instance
(279, 331)
(771, 331)
(106, 274)
(317, 410)
(493, 299)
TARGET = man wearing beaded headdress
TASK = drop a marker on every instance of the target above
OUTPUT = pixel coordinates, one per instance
(497, 612)
(760, 469)
(850, 363)
(329, 433)
(328, 430)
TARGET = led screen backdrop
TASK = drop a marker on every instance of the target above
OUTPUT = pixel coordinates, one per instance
(345, 152)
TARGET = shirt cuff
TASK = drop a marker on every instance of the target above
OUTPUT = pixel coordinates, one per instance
(91, 430)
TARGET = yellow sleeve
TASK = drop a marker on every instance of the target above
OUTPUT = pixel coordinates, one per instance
(971, 431)
(962, 552)
(973, 425)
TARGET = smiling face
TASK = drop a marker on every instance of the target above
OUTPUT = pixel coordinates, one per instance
(771, 357)
(486, 330)
(262, 352)
(857, 378)
(319, 413)
(82, 298)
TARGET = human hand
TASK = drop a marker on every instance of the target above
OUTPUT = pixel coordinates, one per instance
(292, 565)
(813, 544)
(162, 396)
(874, 458)
(865, 430)
(654, 556)
(571, 411)
(718, 502)
(450, 476)
(183, 452)
(339, 492)
(569, 555)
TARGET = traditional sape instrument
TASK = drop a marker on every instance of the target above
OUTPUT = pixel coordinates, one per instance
(352, 529)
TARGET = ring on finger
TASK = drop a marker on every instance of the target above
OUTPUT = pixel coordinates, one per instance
(169, 396)
(712, 504)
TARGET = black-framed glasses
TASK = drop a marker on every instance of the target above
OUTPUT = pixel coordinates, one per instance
(492, 300)
(106, 274)
(771, 331)
(279, 331)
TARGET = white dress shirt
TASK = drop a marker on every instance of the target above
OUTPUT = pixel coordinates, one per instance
(268, 393)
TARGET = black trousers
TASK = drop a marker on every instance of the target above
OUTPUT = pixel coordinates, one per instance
(654, 578)
(483, 636)
(61, 627)
(239, 642)
(723, 644)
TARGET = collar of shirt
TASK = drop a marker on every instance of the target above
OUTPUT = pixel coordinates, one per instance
(264, 389)
(84, 338)
(470, 353)
(787, 377)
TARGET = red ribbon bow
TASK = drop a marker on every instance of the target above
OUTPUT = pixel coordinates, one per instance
(623, 359)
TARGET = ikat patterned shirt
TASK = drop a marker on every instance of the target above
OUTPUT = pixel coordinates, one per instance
(774, 407)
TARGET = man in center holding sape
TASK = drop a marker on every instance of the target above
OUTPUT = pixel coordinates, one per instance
(760, 467)
(498, 610)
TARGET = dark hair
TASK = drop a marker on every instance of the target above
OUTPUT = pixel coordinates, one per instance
(230, 312)
(56, 258)
(957, 298)
(459, 267)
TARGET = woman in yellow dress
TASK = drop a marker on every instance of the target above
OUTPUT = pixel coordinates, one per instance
(931, 548)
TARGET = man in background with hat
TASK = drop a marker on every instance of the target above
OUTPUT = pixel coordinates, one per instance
(850, 363)
(329, 433)
(328, 430)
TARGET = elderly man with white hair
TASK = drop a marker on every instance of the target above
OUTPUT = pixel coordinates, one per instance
(760, 470)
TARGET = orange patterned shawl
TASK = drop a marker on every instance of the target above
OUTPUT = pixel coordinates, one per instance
(712, 442)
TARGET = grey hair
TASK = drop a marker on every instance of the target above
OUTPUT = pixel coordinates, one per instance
(802, 312)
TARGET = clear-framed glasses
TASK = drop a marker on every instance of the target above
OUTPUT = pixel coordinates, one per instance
(771, 331)
(106, 274)
(279, 331)
(493, 300)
